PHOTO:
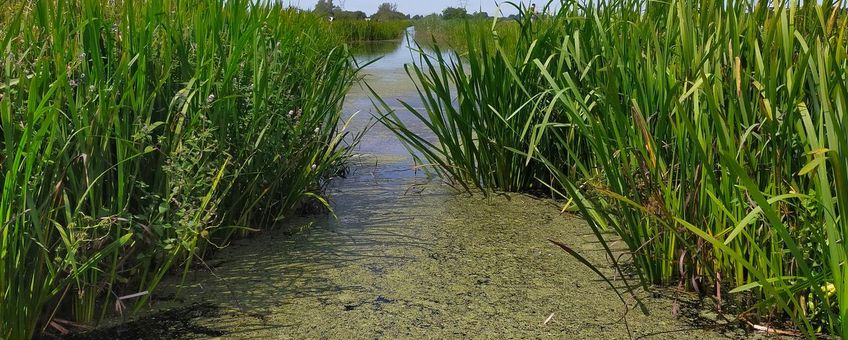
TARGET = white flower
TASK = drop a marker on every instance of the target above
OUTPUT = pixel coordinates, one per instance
(314, 167)
(317, 130)
(210, 99)
(291, 113)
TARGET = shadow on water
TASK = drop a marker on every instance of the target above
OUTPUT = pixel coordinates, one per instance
(177, 323)
(314, 259)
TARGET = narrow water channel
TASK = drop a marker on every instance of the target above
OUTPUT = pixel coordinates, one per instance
(406, 258)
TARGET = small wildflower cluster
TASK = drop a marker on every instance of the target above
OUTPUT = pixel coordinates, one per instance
(828, 289)
(295, 114)
(75, 82)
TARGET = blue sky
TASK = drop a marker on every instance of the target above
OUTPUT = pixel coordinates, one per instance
(413, 6)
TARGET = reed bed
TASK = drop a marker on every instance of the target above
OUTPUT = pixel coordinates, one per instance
(454, 33)
(708, 136)
(481, 96)
(361, 30)
(139, 136)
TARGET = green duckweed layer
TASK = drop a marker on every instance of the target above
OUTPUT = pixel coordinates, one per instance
(411, 260)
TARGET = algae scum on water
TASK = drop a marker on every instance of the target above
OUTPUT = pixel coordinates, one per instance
(412, 259)
(406, 258)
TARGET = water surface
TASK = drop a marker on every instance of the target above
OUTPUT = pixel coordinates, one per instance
(386, 75)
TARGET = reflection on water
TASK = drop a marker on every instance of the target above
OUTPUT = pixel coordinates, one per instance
(386, 75)
(367, 50)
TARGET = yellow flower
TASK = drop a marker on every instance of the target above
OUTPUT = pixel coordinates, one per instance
(829, 289)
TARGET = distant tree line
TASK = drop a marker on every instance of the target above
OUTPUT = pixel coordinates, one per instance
(452, 13)
(388, 11)
(385, 12)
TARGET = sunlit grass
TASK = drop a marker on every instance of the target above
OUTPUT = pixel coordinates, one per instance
(137, 136)
(361, 30)
(709, 136)
(455, 34)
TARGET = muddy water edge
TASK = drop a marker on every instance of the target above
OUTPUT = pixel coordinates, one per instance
(407, 258)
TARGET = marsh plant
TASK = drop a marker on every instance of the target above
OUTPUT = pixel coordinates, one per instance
(455, 33)
(372, 30)
(138, 136)
(708, 136)
(483, 97)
